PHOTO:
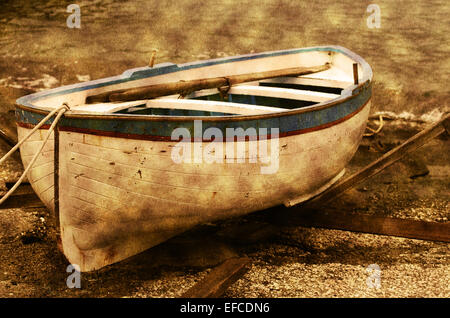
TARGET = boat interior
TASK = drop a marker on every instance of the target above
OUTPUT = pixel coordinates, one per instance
(260, 97)
(264, 96)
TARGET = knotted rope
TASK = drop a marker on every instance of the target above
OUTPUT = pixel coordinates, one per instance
(373, 131)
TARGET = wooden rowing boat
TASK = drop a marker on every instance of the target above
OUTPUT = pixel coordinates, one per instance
(143, 156)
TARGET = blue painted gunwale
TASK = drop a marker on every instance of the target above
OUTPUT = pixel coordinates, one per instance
(295, 121)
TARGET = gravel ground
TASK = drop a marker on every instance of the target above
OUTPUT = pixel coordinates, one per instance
(287, 261)
(39, 51)
(336, 266)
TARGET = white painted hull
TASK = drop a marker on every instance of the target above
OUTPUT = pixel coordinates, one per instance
(121, 196)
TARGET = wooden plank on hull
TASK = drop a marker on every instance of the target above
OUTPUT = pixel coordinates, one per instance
(219, 279)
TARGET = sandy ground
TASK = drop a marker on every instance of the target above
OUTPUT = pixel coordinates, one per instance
(410, 56)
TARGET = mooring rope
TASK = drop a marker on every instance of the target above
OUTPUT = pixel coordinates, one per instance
(60, 111)
(373, 131)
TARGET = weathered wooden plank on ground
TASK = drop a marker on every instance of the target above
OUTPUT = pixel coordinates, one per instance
(219, 279)
(23, 197)
(8, 131)
(414, 229)
(311, 213)
(446, 124)
(383, 162)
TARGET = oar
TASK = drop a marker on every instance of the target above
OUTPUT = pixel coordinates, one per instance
(185, 87)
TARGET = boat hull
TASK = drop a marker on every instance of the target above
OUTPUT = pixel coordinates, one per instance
(121, 196)
(122, 178)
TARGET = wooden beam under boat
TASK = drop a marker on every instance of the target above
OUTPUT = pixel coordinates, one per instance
(185, 87)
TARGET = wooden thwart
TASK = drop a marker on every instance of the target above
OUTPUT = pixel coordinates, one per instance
(186, 87)
(219, 279)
